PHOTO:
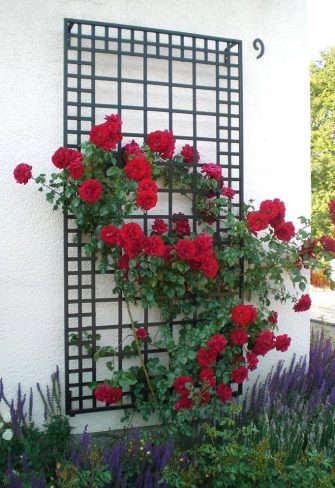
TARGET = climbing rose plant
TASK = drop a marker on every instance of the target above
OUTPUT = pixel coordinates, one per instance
(191, 273)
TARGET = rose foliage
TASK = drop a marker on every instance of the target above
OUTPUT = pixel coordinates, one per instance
(191, 273)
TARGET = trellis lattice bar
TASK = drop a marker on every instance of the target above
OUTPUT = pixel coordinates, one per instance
(154, 79)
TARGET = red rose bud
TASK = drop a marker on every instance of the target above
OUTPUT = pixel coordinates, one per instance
(22, 173)
(131, 148)
(90, 190)
(273, 318)
(183, 384)
(244, 314)
(224, 392)
(108, 394)
(304, 303)
(282, 342)
(162, 142)
(110, 234)
(142, 333)
(188, 154)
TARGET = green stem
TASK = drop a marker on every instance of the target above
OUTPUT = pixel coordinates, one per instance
(139, 353)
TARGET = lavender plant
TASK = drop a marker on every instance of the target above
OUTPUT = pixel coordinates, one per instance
(25, 448)
(294, 408)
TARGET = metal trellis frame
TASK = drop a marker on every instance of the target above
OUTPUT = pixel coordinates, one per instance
(87, 47)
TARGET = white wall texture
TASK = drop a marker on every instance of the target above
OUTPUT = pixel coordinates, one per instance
(276, 147)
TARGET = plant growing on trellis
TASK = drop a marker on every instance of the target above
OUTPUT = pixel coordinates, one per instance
(193, 275)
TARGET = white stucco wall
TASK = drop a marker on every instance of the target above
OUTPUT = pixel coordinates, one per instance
(276, 135)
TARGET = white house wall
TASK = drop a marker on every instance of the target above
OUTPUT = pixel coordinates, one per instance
(276, 152)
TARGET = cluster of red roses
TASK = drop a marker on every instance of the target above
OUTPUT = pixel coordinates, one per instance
(207, 357)
(198, 252)
(108, 134)
(108, 394)
(271, 212)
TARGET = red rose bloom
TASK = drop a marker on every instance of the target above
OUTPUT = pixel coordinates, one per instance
(142, 333)
(273, 318)
(108, 394)
(108, 134)
(167, 252)
(110, 234)
(160, 226)
(224, 392)
(285, 231)
(280, 215)
(228, 192)
(90, 190)
(131, 148)
(252, 360)
(188, 154)
(147, 185)
(304, 303)
(217, 343)
(212, 170)
(180, 384)
(162, 142)
(185, 249)
(244, 314)
(76, 169)
(22, 173)
(282, 342)
(327, 243)
(185, 403)
(257, 221)
(239, 374)
(129, 233)
(331, 206)
(270, 208)
(203, 246)
(264, 342)
(182, 225)
(153, 246)
(239, 336)
(210, 266)
(64, 156)
(207, 375)
(133, 248)
(146, 199)
(138, 168)
(206, 357)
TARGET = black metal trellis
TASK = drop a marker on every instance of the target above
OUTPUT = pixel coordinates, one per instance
(87, 48)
